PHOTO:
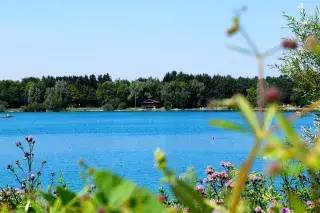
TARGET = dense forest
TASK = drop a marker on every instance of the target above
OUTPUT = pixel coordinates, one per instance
(175, 90)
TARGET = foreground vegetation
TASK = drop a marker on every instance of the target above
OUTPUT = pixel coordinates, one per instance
(290, 184)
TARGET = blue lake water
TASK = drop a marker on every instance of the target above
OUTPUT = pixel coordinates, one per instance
(124, 142)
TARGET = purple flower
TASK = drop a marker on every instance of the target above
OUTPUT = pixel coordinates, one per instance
(18, 191)
(18, 144)
(229, 184)
(205, 180)
(32, 176)
(258, 209)
(23, 185)
(186, 210)
(285, 210)
(222, 163)
(209, 170)
(29, 139)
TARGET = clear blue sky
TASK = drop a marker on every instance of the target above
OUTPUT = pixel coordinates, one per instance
(133, 38)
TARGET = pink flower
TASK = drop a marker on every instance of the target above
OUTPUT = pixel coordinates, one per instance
(258, 209)
(209, 170)
(29, 139)
(223, 175)
(200, 189)
(220, 201)
(255, 179)
(229, 184)
(228, 164)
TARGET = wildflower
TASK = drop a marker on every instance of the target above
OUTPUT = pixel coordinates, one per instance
(29, 139)
(44, 162)
(285, 210)
(229, 184)
(17, 162)
(101, 210)
(228, 165)
(81, 162)
(272, 95)
(258, 209)
(26, 154)
(53, 174)
(18, 191)
(200, 189)
(23, 185)
(289, 44)
(9, 167)
(223, 175)
(32, 176)
(161, 198)
(209, 170)
(255, 179)
(186, 210)
(310, 204)
(220, 201)
(18, 144)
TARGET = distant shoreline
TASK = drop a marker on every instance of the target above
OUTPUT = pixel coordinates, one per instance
(218, 109)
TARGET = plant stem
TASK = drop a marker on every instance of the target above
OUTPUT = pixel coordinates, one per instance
(256, 147)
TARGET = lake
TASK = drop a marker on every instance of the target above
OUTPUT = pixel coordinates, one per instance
(124, 142)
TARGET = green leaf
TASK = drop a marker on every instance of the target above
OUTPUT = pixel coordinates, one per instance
(270, 114)
(121, 193)
(227, 125)
(288, 129)
(297, 205)
(248, 113)
(49, 198)
(189, 197)
(115, 192)
(65, 195)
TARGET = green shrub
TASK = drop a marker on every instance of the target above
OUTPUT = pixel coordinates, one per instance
(167, 105)
(122, 105)
(3, 106)
(108, 107)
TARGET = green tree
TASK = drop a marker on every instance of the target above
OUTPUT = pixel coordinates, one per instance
(252, 95)
(302, 65)
(34, 94)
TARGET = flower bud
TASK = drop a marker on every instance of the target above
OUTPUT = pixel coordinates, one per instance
(289, 44)
(272, 95)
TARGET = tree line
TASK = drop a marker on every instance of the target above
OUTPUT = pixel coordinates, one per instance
(175, 90)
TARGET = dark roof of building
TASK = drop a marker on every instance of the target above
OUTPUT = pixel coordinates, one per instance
(149, 101)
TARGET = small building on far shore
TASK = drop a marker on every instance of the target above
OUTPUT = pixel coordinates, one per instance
(150, 104)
